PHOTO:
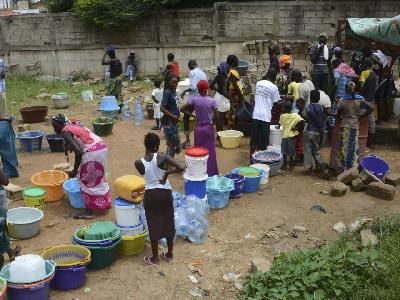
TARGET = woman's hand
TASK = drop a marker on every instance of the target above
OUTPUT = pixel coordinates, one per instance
(164, 179)
(73, 173)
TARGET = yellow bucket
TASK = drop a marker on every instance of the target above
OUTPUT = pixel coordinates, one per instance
(34, 197)
(132, 245)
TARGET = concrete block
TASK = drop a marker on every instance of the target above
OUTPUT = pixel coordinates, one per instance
(347, 176)
(14, 192)
(381, 190)
(338, 189)
(259, 264)
(392, 179)
(367, 177)
(357, 184)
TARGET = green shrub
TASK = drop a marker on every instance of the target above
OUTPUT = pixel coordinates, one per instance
(60, 5)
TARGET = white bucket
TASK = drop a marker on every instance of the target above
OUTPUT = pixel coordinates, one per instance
(127, 215)
(265, 168)
(27, 268)
(131, 230)
(87, 95)
(196, 168)
(396, 106)
(275, 136)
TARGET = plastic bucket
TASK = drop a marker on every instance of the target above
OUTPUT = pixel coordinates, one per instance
(34, 197)
(131, 230)
(69, 278)
(73, 191)
(238, 181)
(197, 188)
(36, 291)
(126, 213)
(375, 165)
(87, 95)
(251, 184)
(56, 142)
(275, 136)
(133, 245)
(245, 112)
(30, 140)
(265, 168)
(218, 200)
(196, 163)
(230, 139)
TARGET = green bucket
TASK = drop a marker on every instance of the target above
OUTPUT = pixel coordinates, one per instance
(103, 126)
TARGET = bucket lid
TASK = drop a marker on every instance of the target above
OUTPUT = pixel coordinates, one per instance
(34, 192)
(196, 151)
(122, 202)
(248, 171)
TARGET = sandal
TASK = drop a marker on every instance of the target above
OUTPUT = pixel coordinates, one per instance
(83, 217)
(147, 260)
(166, 258)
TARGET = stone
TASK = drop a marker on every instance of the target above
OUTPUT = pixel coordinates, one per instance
(368, 238)
(357, 184)
(339, 227)
(338, 189)
(14, 192)
(392, 179)
(347, 176)
(367, 177)
(299, 228)
(381, 190)
(259, 264)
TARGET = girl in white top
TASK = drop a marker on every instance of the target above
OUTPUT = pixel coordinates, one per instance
(158, 201)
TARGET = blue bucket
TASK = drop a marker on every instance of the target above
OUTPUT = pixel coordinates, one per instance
(197, 188)
(30, 140)
(73, 191)
(238, 180)
(375, 165)
(251, 184)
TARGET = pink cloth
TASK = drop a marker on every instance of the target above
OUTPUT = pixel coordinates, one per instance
(80, 132)
(346, 70)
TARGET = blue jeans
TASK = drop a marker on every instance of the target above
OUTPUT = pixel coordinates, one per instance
(130, 72)
(7, 149)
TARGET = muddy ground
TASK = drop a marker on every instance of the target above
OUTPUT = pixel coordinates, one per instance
(236, 233)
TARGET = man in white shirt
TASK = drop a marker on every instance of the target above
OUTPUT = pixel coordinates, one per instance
(266, 95)
(324, 100)
(195, 75)
(305, 88)
(3, 98)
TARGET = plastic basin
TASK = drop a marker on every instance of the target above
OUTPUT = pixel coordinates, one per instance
(271, 158)
(243, 67)
(34, 197)
(33, 114)
(133, 245)
(375, 165)
(34, 291)
(251, 184)
(230, 139)
(103, 126)
(30, 140)
(218, 191)
(245, 112)
(60, 101)
(73, 190)
(68, 255)
(68, 278)
(238, 181)
(24, 222)
(87, 95)
(108, 103)
(110, 113)
(56, 142)
(52, 181)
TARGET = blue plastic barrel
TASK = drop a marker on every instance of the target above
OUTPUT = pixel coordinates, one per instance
(197, 188)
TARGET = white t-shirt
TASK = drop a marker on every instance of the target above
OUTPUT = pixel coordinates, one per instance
(324, 99)
(266, 95)
(158, 94)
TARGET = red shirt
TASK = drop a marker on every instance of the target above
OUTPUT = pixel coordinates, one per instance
(175, 68)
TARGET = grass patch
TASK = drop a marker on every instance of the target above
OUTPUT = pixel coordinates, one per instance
(342, 270)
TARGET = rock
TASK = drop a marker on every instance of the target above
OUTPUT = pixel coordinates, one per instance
(392, 179)
(357, 224)
(14, 192)
(357, 184)
(368, 238)
(239, 285)
(338, 189)
(193, 279)
(231, 277)
(381, 190)
(259, 264)
(367, 177)
(347, 176)
(299, 228)
(339, 227)
(77, 83)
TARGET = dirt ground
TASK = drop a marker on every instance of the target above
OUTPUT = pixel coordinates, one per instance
(236, 233)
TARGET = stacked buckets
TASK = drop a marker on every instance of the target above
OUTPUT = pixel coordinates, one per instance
(34, 197)
(195, 176)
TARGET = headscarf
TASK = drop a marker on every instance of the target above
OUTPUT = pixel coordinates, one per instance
(346, 70)
(131, 51)
(61, 119)
(223, 68)
(202, 85)
(382, 58)
(285, 59)
(337, 50)
(111, 51)
(324, 34)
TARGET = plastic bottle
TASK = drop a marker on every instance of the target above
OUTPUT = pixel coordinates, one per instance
(126, 111)
(193, 214)
(182, 224)
(138, 112)
(107, 78)
(198, 233)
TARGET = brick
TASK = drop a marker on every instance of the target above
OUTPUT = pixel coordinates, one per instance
(367, 177)
(338, 189)
(392, 179)
(381, 190)
(259, 264)
(357, 184)
(347, 176)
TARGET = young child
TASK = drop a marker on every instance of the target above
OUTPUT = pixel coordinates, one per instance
(290, 123)
(158, 201)
(4, 238)
(157, 95)
(313, 134)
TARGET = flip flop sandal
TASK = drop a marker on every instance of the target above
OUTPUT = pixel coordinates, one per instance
(147, 260)
(164, 256)
(83, 217)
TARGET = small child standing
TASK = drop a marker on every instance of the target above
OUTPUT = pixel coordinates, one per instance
(290, 123)
(157, 95)
(158, 201)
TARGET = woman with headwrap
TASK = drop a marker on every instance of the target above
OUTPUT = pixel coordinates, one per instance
(90, 164)
(221, 95)
(284, 77)
(235, 89)
(345, 145)
(115, 87)
(205, 108)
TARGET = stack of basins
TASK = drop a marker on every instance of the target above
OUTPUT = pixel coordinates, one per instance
(129, 212)
(28, 277)
(109, 107)
(71, 261)
(195, 176)
(270, 157)
(102, 238)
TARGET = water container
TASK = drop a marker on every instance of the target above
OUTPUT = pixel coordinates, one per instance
(196, 164)
(126, 111)
(27, 268)
(138, 113)
(131, 230)
(200, 205)
(197, 188)
(182, 225)
(107, 78)
(127, 213)
(265, 168)
(143, 216)
(197, 233)
(193, 214)
(238, 181)
(275, 136)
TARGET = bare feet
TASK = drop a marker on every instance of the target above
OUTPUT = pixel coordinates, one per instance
(13, 253)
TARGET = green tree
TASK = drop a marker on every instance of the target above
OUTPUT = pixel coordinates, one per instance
(59, 5)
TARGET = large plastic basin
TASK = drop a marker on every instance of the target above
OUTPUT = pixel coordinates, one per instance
(52, 181)
(230, 139)
(24, 222)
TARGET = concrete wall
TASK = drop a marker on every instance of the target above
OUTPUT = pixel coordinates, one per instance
(63, 44)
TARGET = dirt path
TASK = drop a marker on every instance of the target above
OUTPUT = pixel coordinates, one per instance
(285, 202)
